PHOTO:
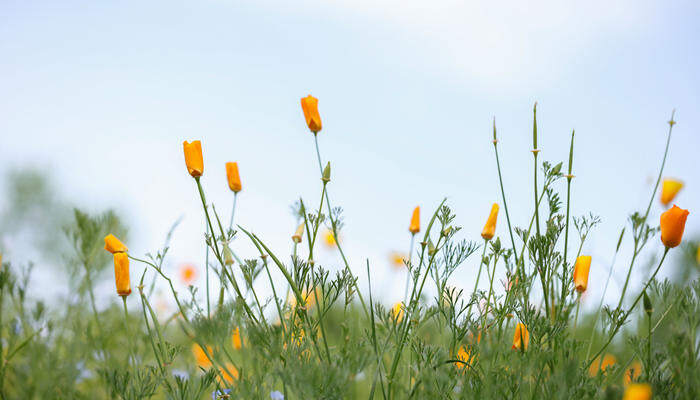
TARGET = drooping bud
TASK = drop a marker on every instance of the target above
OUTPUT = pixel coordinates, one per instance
(228, 255)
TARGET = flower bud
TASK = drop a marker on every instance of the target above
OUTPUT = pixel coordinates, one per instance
(114, 245)
(414, 227)
(672, 226)
(234, 179)
(669, 189)
(309, 105)
(326, 173)
(296, 237)
(648, 308)
(121, 274)
(193, 158)
(490, 227)
(581, 270)
(228, 255)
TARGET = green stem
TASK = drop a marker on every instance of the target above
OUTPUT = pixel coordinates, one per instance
(128, 336)
(626, 314)
(503, 193)
(478, 275)
(671, 123)
(335, 232)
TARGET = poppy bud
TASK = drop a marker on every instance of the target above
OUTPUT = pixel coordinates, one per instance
(490, 227)
(234, 179)
(309, 105)
(121, 274)
(414, 227)
(326, 176)
(672, 226)
(581, 269)
(228, 255)
(521, 338)
(296, 237)
(193, 158)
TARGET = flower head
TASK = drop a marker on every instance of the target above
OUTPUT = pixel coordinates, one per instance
(193, 158)
(329, 238)
(114, 245)
(397, 312)
(236, 339)
(309, 105)
(521, 337)
(121, 274)
(200, 355)
(234, 179)
(637, 391)
(398, 259)
(608, 361)
(672, 226)
(229, 373)
(414, 227)
(490, 227)
(669, 189)
(188, 273)
(633, 372)
(581, 269)
(464, 355)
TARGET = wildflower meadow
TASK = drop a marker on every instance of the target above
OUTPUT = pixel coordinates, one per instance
(279, 324)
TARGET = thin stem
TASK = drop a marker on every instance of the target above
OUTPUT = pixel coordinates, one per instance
(537, 203)
(233, 210)
(578, 305)
(671, 123)
(568, 207)
(408, 270)
(503, 193)
(335, 232)
(128, 336)
(478, 275)
(626, 314)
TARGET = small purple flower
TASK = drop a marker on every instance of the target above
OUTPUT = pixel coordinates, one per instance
(218, 394)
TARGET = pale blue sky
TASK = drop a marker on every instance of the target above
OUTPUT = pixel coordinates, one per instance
(102, 94)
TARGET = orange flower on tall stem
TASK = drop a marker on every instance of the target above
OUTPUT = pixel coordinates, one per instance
(234, 179)
(581, 270)
(672, 226)
(669, 189)
(521, 337)
(309, 105)
(414, 227)
(193, 158)
(121, 274)
(608, 361)
(490, 227)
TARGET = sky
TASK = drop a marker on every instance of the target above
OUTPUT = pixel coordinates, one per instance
(101, 95)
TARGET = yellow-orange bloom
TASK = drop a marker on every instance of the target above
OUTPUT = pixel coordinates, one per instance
(697, 255)
(397, 259)
(633, 372)
(329, 238)
(608, 361)
(236, 339)
(309, 105)
(121, 274)
(672, 226)
(200, 356)
(415, 221)
(490, 227)
(397, 312)
(464, 355)
(669, 190)
(114, 245)
(193, 158)
(188, 274)
(224, 371)
(234, 179)
(581, 269)
(638, 391)
(521, 338)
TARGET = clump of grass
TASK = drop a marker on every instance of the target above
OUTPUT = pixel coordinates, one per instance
(321, 335)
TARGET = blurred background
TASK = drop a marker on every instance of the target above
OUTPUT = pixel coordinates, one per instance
(97, 98)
